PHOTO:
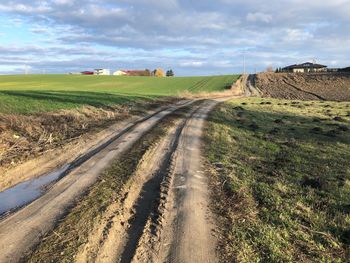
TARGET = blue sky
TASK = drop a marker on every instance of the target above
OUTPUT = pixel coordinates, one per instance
(192, 37)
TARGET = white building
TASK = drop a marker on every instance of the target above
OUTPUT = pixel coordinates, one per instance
(305, 68)
(119, 73)
(101, 71)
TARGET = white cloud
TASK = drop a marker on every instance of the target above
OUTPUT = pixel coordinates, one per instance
(259, 17)
(42, 7)
(63, 2)
(192, 64)
(195, 36)
(297, 35)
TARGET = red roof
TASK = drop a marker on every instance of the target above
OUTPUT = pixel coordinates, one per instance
(87, 73)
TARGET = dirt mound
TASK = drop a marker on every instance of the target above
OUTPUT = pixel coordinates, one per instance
(316, 86)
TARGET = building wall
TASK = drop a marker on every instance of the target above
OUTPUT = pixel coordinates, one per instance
(306, 70)
(102, 72)
(298, 70)
(119, 73)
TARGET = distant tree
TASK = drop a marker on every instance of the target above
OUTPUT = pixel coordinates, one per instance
(170, 73)
(147, 72)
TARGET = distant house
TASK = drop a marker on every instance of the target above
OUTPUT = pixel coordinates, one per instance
(305, 68)
(119, 73)
(332, 70)
(87, 73)
(101, 71)
(141, 73)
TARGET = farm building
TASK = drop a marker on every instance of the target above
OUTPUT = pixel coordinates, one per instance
(87, 73)
(145, 73)
(119, 73)
(102, 71)
(305, 68)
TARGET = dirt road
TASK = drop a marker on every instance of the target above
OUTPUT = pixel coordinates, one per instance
(250, 89)
(188, 231)
(165, 209)
(20, 231)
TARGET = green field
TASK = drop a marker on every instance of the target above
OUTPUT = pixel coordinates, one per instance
(283, 179)
(28, 94)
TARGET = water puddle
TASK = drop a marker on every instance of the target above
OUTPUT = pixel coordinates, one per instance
(26, 192)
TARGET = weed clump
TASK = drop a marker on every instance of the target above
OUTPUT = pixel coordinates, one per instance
(343, 128)
(338, 118)
(274, 131)
(254, 126)
(266, 103)
(239, 108)
(316, 130)
(279, 121)
(312, 182)
(345, 236)
(240, 114)
(332, 133)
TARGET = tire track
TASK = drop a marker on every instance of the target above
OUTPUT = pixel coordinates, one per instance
(171, 220)
(187, 233)
(303, 91)
(146, 206)
(143, 198)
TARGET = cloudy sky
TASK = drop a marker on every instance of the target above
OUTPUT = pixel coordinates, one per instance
(193, 37)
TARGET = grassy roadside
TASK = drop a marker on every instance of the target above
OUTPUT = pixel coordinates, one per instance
(281, 180)
(62, 244)
(24, 138)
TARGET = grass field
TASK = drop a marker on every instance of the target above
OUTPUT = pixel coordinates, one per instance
(282, 168)
(28, 94)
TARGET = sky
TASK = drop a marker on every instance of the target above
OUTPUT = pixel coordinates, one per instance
(192, 37)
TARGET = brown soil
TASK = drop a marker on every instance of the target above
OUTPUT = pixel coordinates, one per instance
(317, 86)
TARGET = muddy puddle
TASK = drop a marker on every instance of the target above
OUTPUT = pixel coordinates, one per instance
(26, 192)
